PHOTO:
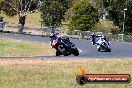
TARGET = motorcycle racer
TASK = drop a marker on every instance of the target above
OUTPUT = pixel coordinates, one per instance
(63, 45)
(95, 38)
(100, 42)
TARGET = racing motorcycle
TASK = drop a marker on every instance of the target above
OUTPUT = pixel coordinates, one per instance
(102, 44)
(63, 45)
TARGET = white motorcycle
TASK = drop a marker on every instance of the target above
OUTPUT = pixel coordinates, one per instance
(102, 44)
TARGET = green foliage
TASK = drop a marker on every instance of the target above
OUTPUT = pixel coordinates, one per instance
(128, 21)
(10, 47)
(13, 7)
(53, 12)
(105, 26)
(116, 13)
(99, 5)
(84, 16)
(1, 1)
(7, 8)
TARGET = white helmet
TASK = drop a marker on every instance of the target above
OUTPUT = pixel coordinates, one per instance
(51, 35)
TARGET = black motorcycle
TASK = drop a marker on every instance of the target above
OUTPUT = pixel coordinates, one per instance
(63, 46)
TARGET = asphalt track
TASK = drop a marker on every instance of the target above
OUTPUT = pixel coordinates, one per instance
(119, 49)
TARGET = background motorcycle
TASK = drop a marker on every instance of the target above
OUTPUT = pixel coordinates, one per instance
(102, 44)
(63, 46)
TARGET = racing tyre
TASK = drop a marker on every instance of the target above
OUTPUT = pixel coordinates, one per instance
(58, 53)
(75, 52)
(65, 54)
(109, 50)
(99, 49)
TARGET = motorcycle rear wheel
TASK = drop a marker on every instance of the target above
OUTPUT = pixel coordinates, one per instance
(58, 53)
(99, 48)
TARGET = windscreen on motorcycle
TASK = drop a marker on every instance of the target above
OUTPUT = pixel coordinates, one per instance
(55, 39)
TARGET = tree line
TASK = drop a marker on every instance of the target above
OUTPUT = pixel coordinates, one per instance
(82, 14)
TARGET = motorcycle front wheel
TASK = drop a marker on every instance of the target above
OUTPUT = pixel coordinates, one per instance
(108, 50)
(75, 52)
(99, 48)
(58, 53)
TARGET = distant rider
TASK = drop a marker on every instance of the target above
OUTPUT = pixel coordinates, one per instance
(95, 38)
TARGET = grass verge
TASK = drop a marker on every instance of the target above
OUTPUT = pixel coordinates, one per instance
(31, 19)
(59, 73)
(10, 47)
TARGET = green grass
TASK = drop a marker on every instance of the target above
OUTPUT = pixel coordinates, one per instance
(31, 19)
(10, 47)
(59, 73)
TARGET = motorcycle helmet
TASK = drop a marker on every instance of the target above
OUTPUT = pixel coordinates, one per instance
(51, 35)
(93, 34)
